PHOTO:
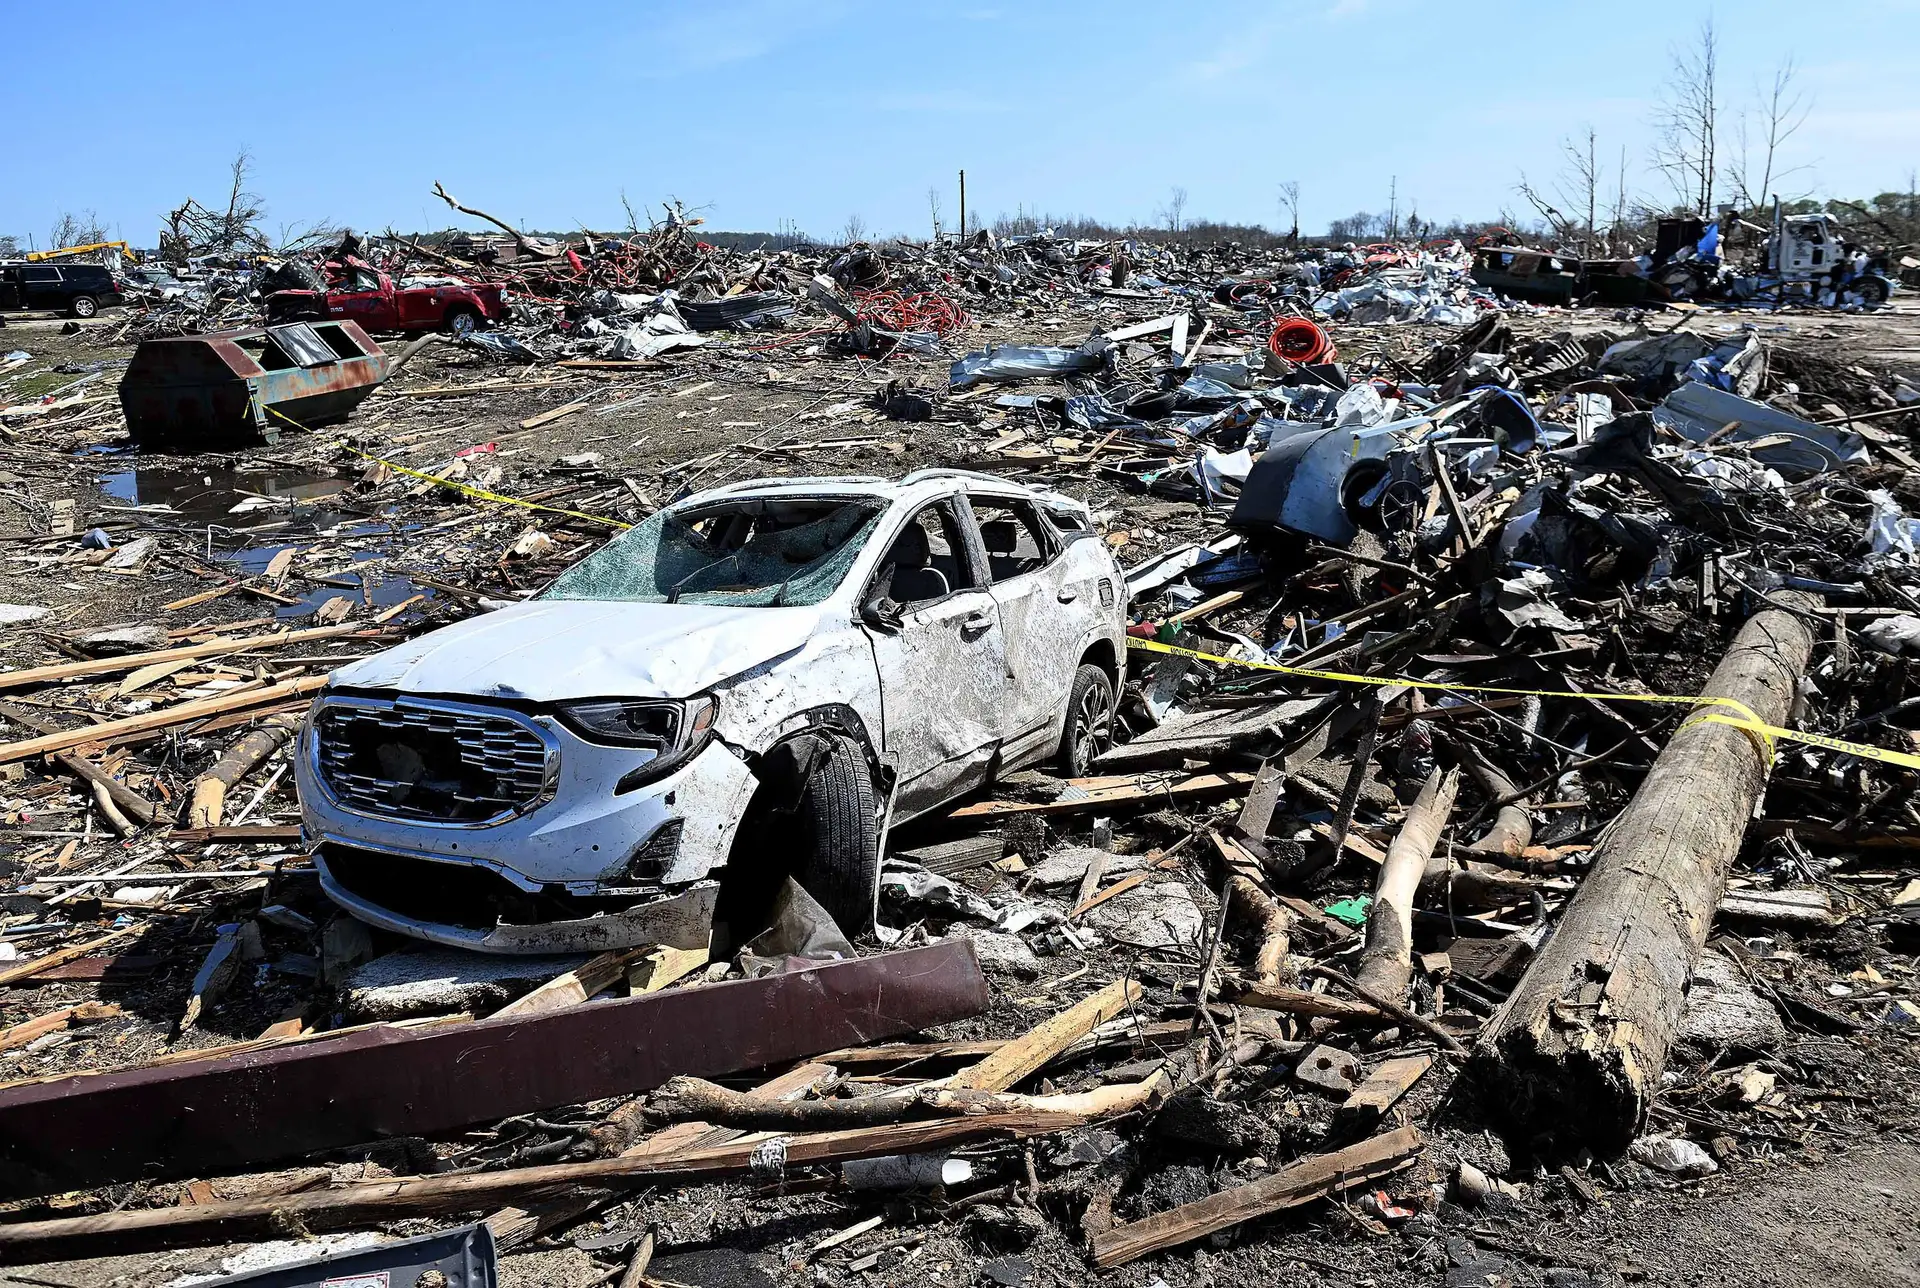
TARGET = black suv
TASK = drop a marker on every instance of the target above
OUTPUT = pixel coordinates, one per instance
(79, 289)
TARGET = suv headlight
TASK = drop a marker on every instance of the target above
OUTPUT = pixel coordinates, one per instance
(673, 731)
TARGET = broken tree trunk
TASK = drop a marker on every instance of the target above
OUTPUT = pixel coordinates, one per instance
(1512, 830)
(1272, 921)
(235, 763)
(1576, 1054)
(1386, 963)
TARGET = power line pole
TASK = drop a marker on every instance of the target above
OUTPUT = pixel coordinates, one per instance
(1393, 207)
(963, 207)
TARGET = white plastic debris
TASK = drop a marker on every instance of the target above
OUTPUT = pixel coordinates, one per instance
(1899, 636)
(1673, 1155)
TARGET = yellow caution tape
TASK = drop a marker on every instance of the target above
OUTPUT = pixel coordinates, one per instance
(465, 489)
(1760, 731)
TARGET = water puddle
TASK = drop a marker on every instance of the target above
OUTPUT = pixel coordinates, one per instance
(251, 512)
(211, 494)
(370, 592)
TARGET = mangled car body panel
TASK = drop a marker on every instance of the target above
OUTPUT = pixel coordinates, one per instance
(572, 772)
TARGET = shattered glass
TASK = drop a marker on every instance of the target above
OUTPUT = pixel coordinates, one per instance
(748, 553)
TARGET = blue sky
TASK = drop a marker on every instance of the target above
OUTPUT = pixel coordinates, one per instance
(813, 110)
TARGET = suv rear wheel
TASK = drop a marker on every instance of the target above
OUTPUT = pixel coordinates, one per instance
(83, 306)
(1089, 728)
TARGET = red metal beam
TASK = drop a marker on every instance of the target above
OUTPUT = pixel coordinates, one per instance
(225, 1114)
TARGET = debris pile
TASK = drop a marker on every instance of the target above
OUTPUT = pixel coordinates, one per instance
(1510, 805)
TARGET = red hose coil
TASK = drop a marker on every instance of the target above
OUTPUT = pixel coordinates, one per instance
(1299, 340)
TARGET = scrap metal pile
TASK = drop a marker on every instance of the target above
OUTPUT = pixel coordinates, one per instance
(1511, 810)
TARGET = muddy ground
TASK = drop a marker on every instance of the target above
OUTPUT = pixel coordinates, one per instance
(1823, 1188)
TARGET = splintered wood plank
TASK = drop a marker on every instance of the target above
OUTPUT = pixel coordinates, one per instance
(1384, 1086)
(1141, 789)
(1302, 1182)
(1031, 1052)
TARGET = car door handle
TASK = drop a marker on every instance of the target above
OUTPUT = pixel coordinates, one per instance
(1067, 596)
(977, 625)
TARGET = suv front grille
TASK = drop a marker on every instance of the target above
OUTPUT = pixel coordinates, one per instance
(429, 761)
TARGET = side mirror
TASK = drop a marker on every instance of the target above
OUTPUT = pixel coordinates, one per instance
(881, 615)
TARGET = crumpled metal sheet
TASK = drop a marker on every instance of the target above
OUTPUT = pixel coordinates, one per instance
(1012, 362)
(1696, 411)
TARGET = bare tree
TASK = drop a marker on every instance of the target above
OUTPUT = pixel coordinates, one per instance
(1617, 221)
(1778, 112)
(1290, 206)
(1174, 213)
(314, 232)
(1559, 227)
(83, 229)
(10, 248)
(854, 231)
(1578, 186)
(193, 229)
(933, 208)
(1687, 150)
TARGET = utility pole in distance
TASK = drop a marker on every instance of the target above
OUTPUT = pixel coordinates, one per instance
(963, 206)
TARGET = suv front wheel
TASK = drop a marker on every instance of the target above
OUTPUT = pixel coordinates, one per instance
(839, 837)
(83, 306)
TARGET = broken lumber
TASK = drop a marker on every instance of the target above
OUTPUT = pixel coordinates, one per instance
(572, 988)
(148, 1229)
(1298, 1183)
(245, 834)
(1577, 1053)
(53, 1021)
(164, 718)
(1140, 789)
(1297, 1001)
(241, 758)
(1372, 1099)
(129, 802)
(61, 956)
(186, 652)
(1386, 962)
(1029, 1053)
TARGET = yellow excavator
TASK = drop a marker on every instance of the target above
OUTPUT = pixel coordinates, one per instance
(36, 256)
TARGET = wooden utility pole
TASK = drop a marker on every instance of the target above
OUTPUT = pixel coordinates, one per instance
(1575, 1056)
(963, 207)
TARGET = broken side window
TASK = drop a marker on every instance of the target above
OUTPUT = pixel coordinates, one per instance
(926, 560)
(1016, 542)
(750, 552)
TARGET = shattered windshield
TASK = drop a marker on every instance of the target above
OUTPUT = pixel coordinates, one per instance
(751, 552)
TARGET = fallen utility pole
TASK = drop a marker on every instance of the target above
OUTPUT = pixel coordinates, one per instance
(257, 1106)
(146, 1229)
(1576, 1054)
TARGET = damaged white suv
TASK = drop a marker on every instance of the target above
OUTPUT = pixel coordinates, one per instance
(755, 682)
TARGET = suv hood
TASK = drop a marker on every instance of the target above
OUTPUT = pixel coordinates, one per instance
(557, 650)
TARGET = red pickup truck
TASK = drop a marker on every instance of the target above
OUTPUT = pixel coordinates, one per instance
(370, 298)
